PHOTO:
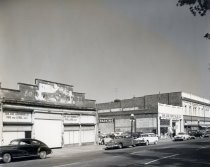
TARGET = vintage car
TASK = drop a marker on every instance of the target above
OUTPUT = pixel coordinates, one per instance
(207, 134)
(22, 148)
(181, 136)
(120, 142)
(147, 138)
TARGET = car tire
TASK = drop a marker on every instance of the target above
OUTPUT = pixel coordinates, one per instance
(6, 158)
(155, 142)
(120, 146)
(42, 154)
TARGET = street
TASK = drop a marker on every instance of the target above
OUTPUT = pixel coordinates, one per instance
(193, 153)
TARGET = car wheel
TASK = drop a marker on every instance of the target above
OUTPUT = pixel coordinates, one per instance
(155, 142)
(6, 158)
(120, 146)
(42, 154)
(147, 143)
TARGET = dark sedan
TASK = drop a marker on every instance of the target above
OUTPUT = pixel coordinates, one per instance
(21, 148)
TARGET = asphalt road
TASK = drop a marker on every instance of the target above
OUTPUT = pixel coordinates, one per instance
(188, 153)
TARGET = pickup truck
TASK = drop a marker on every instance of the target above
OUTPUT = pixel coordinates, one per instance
(120, 142)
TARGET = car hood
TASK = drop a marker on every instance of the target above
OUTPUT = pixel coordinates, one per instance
(8, 147)
(179, 135)
(140, 138)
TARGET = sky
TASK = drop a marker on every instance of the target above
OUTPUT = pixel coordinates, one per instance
(107, 49)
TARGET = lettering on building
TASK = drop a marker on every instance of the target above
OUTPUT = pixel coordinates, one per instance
(106, 120)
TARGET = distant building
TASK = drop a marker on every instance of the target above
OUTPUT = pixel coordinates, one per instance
(49, 111)
(160, 113)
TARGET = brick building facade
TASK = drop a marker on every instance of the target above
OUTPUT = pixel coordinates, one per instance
(157, 113)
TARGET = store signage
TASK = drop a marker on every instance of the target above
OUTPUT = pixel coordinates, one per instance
(106, 120)
(16, 116)
(171, 116)
(88, 119)
(71, 119)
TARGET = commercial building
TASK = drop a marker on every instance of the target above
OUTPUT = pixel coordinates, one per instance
(161, 113)
(49, 111)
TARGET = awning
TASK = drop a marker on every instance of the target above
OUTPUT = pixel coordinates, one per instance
(204, 126)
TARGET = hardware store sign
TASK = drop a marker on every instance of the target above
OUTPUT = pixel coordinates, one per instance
(15, 116)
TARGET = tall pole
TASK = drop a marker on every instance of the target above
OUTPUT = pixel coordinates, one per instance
(1, 123)
(131, 127)
(132, 118)
(204, 112)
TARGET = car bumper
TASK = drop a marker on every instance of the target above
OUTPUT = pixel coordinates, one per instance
(178, 139)
(140, 142)
(112, 146)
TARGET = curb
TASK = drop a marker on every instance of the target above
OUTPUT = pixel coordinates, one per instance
(70, 150)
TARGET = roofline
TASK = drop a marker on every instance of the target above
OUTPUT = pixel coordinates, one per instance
(20, 83)
(51, 82)
(49, 105)
(15, 90)
(137, 97)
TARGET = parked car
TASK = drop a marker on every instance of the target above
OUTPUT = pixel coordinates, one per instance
(147, 138)
(120, 142)
(21, 148)
(192, 137)
(207, 134)
(196, 133)
(181, 136)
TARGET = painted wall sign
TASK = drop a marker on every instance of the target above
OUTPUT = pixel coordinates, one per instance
(74, 119)
(16, 116)
(170, 112)
(54, 93)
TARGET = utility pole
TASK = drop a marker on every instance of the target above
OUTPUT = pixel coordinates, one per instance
(1, 122)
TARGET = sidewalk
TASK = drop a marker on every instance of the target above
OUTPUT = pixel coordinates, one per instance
(71, 149)
(163, 140)
(75, 149)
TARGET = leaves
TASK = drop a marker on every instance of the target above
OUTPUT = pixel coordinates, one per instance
(200, 7)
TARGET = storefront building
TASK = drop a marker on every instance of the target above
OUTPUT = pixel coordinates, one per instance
(162, 114)
(48, 111)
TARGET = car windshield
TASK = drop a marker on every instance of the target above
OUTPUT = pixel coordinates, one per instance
(181, 133)
(14, 142)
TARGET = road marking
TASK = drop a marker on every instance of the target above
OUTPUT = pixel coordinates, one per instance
(76, 163)
(200, 148)
(192, 161)
(161, 159)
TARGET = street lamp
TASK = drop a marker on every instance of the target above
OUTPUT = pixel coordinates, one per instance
(132, 118)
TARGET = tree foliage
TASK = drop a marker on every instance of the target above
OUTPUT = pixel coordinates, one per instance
(197, 7)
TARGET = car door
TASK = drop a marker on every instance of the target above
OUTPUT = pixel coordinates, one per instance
(35, 145)
(13, 149)
(152, 138)
(128, 141)
(24, 148)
